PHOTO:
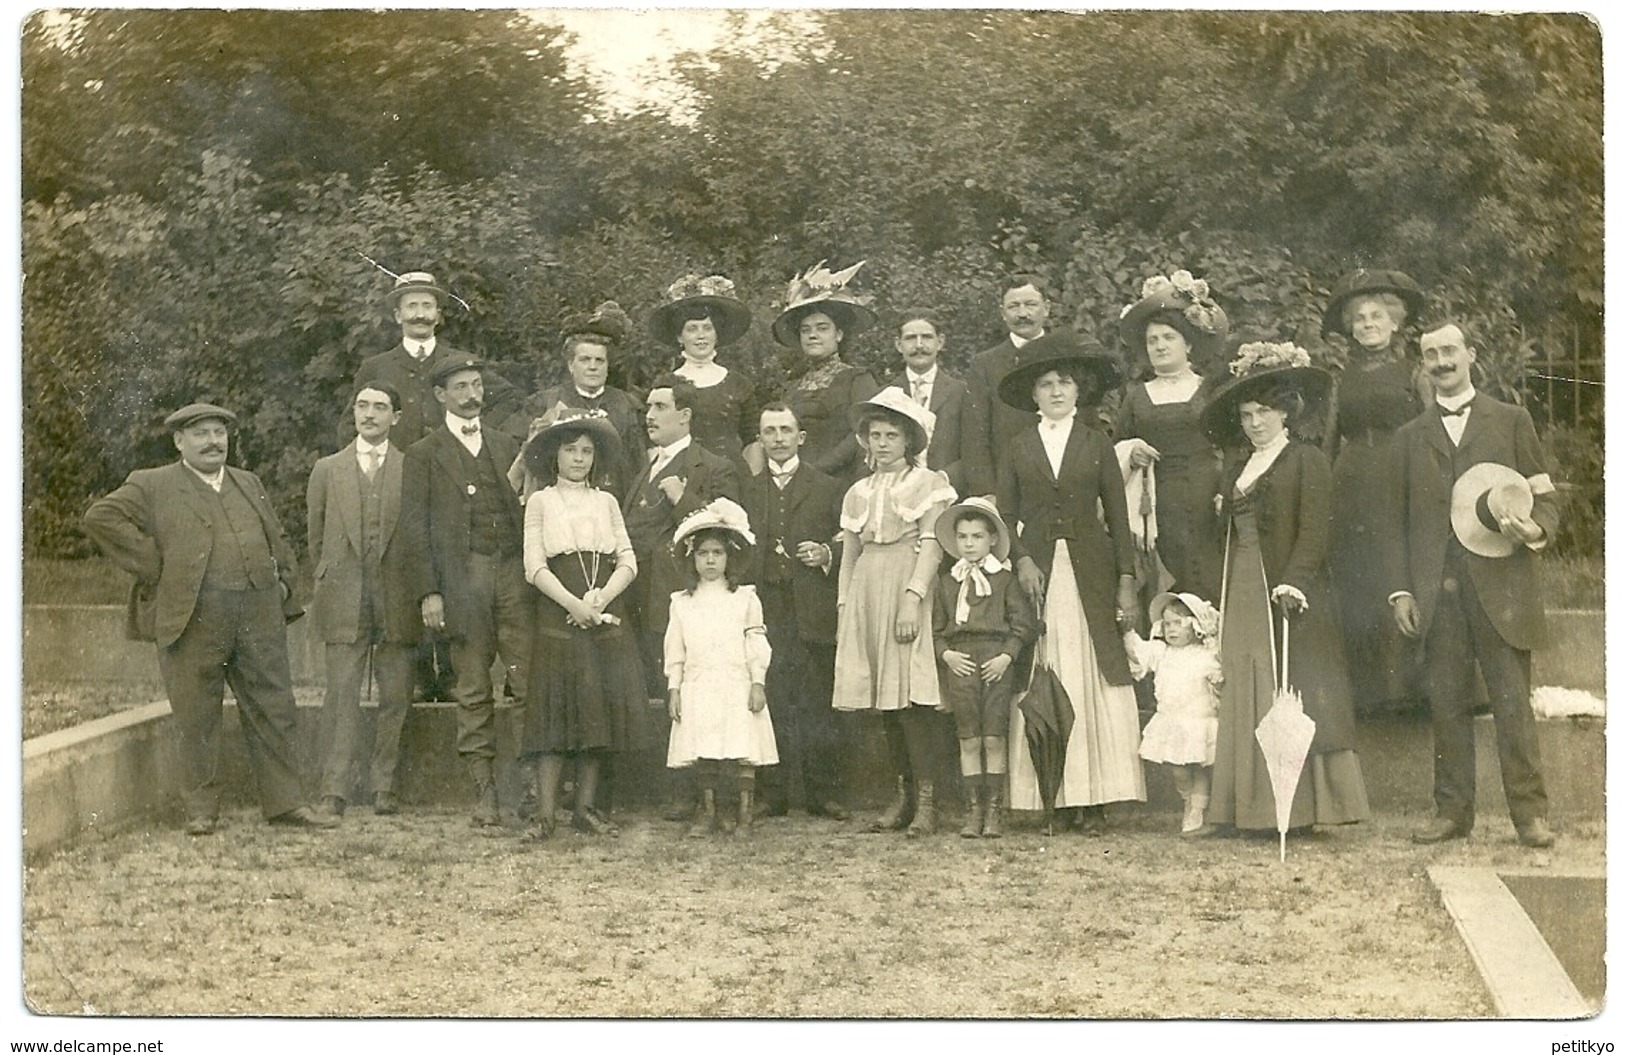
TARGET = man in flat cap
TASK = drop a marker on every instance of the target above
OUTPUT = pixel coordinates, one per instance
(214, 590)
(463, 529)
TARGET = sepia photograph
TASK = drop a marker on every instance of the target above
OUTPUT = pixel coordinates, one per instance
(956, 518)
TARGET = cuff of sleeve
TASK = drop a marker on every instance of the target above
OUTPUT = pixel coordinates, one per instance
(1397, 594)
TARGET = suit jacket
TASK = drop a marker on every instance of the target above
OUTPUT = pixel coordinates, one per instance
(812, 514)
(651, 521)
(421, 413)
(1428, 467)
(1071, 507)
(948, 395)
(434, 521)
(157, 527)
(987, 424)
(333, 507)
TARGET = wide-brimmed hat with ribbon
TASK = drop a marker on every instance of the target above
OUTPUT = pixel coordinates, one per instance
(1202, 322)
(713, 294)
(541, 451)
(978, 506)
(900, 406)
(722, 514)
(1065, 350)
(1260, 365)
(1363, 281)
(1482, 495)
(818, 289)
(1206, 616)
(415, 282)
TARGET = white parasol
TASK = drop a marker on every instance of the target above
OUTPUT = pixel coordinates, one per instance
(1284, 735)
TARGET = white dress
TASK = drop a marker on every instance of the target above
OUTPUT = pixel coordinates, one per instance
(1185, 729)
(716, 647)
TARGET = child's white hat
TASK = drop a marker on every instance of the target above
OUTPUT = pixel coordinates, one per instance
(723, 513)
(950, 518)
(1206, 616)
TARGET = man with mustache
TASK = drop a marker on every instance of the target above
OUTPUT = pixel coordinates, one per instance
(919, 341)
(417, 301)
(986, 424)
(1463, 579)
(214, 590)
(463, 529)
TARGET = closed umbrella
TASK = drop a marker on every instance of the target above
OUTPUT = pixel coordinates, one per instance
(1284, 735)
(1047, 713)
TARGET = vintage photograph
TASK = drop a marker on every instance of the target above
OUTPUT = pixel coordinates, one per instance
(792, 514)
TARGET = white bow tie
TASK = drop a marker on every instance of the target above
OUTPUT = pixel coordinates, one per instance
(969, 575)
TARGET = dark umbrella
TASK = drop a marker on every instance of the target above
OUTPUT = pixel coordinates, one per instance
(1047, 712)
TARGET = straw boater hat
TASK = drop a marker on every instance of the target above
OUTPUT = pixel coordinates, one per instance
(541, 451)
(722, 513)
(1484, 494)
(1362, 281)
(818, 289)
(950, 518)
(1202, 322)
(1259, 365)
(414, 282)
(715, 294)
(1058, 350)
(194, 412)
(1207, 616)
(900, 405)
(608, 321)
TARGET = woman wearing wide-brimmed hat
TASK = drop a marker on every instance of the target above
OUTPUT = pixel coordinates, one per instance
(1276, 505)
(1060, 481)
(885, 662)
(1380, 389)
(1173, 325)
(819, 316)
(585, 690)
(700, 317)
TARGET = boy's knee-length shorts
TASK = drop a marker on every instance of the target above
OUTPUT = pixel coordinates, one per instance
(979, 709)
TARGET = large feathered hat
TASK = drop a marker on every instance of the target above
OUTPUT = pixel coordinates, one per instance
(715, 295)
(1260, 365)
(1202, 322)
(822, 290)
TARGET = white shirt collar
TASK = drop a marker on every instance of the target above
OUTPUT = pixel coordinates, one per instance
(214, 481)
(418, 349)
(1273, 447)
(662, 455)
(584, 394)
(1457, 401)
(1018, 340)
(1057, 425)
(362, 447)
(929, 377)
(455, 423)
(788, 467)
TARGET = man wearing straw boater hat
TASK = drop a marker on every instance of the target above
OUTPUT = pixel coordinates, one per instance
(214, 590)
(1477, 504)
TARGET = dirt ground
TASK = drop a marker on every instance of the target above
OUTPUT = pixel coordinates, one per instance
(418, 915)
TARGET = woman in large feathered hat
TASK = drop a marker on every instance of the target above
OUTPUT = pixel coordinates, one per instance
(700, 317)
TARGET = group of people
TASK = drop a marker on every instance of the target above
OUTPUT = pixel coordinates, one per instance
(968, 559)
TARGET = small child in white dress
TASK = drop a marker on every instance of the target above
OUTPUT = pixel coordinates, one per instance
(1185, 663)
(717, 655)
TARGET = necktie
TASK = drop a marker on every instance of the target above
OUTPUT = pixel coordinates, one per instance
(780, 479)
(471, 429)
(919, 391)
(1447, 412)
(371, 468)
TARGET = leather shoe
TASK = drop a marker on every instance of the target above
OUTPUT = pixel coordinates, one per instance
(331, 806)
(304, 817)
(385, 803)
(1439, 830)
(1537, 834)
(590, 822)
(200, 825)
(833, 810)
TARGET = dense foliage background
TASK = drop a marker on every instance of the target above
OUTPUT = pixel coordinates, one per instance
(200, 188)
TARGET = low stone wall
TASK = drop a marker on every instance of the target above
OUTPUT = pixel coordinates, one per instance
(121, 770)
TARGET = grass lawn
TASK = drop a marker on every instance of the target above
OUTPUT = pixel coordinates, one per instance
(416, 915)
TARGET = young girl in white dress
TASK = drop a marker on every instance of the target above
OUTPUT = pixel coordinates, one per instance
(1185, 665)
(717, 656)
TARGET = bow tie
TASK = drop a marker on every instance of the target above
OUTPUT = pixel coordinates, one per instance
(471, 429)
(971, 576)
(1447, 412)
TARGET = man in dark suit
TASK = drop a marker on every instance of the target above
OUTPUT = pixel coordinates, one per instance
(678, 478)
(795, 511)
(463, 527)
(418, 302)
(361, 607)
(986, 424)
(1480, 605)
(919, 342)
(214, 590)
